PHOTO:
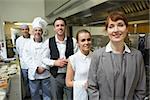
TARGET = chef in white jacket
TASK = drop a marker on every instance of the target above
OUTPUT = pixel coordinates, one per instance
(38, 73)
(20, 42)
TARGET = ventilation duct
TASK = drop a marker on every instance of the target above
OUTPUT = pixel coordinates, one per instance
(65, 6)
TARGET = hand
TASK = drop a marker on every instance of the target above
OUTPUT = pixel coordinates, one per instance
(61, 62)
(40, 70)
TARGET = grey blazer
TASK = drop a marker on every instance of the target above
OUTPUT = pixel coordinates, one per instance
(101, 80)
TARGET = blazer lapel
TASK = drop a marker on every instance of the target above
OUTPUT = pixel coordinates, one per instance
(130, 72)
(108, 69)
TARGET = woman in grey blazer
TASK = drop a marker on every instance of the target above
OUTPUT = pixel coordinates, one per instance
(117, 71)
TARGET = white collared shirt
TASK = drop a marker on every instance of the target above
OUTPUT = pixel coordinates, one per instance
(80, 64)
(109, 49)
(61, 45)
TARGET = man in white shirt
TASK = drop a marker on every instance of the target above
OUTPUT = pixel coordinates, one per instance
(20, 42)
(56, 51)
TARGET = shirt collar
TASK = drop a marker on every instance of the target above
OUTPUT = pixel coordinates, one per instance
(58, 41)
(84, 56)
(109, 49)
(26, 37)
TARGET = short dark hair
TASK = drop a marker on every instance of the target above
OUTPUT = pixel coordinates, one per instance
(59, 18)
(115, 16)
(82, 31)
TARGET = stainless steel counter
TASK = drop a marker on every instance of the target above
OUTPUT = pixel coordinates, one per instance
(13, 91)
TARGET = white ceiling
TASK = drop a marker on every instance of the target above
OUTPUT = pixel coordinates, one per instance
(21, 10)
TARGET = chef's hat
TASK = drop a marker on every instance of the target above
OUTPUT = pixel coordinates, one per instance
(24, 26)
(39, 22)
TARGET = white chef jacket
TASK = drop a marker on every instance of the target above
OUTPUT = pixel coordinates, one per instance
(32, 55)
(61, 45)
(20, 42)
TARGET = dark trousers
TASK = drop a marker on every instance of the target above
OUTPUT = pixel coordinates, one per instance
(24, 73)
(59, 88)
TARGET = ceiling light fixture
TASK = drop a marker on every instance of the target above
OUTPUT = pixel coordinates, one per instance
(97, 22)
(87, 15)
(23, 23)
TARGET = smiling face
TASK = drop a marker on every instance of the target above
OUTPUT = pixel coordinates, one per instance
(25, 32)
(59, 27)
(84, 42)
(117, 26)
(37, 32)
(117, 30)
